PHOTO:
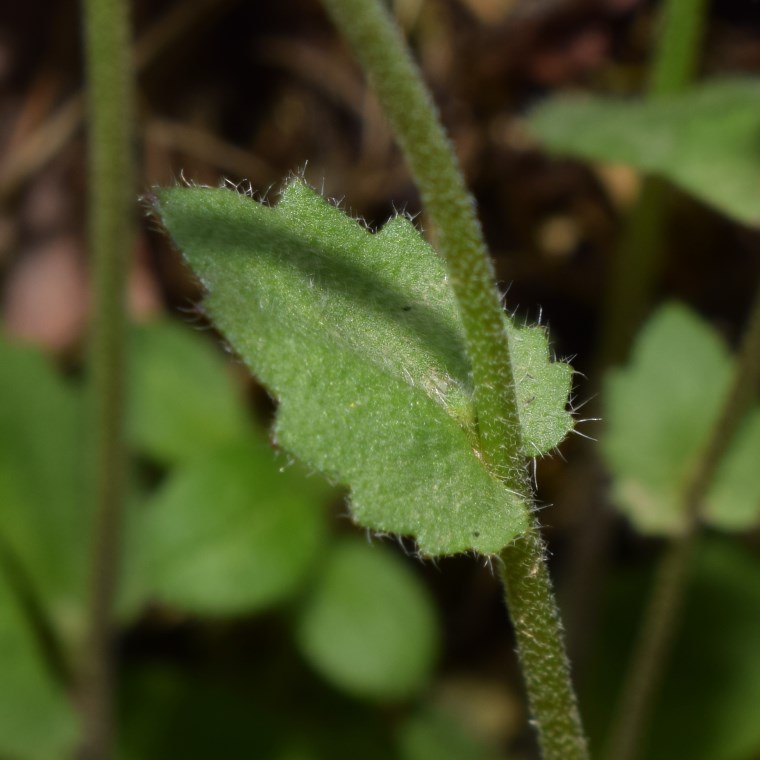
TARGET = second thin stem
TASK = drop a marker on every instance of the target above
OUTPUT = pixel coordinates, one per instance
(110, 89)
(663, 612)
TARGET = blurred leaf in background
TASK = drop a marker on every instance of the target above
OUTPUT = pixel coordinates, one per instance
(44, 527)
(706, 139)
(231, 533)
(37, 721)
(230, 529)
(660, 411)
(184, 401)
(368, 624)
(434, 734)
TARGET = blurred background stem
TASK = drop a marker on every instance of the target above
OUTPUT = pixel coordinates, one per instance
(110, 91)
(635, 271)
(637, 265)
(663, 610)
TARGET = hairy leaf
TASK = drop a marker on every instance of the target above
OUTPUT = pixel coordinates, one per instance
(358, 337)
(660, 412)
(706, 140)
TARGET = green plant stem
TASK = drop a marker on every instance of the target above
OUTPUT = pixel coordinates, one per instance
(664, 608)
(637, 264)
(682, 26)
(110, 83)
(530, 598)
(408, 105)
(634, 272)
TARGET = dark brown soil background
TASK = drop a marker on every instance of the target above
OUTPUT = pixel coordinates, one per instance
(252, 91)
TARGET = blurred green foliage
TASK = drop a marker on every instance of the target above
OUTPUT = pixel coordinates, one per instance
(660, 411)
(705, 140)
(222, 531)
(219, 526)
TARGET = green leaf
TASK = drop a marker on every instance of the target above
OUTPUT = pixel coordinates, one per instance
(368, 625)
(44, 525)
(660, 411)
(183, 403)
(36, 720)
(230, 534)
(706, 140)
(358, 337)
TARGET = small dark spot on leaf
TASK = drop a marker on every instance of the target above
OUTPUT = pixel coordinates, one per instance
(406, 308)
(476, 534)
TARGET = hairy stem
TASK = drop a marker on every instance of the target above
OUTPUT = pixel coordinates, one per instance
(409, 107)
(110, 82)
(661, 619)
(546, 670)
